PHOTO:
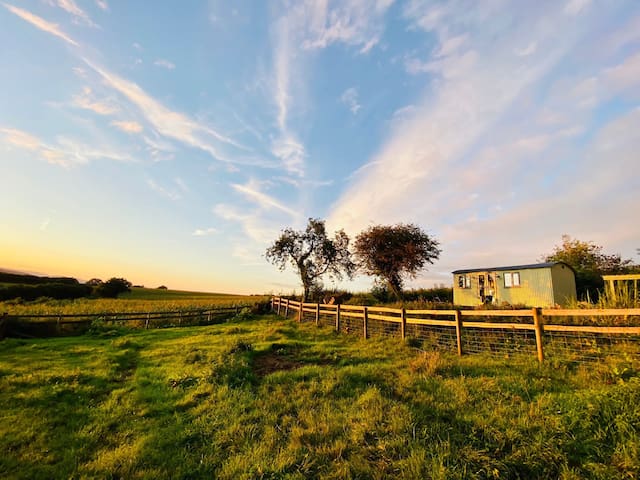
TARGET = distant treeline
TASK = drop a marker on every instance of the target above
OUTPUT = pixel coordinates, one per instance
(23, 279)
(56, 290)
(32, 287)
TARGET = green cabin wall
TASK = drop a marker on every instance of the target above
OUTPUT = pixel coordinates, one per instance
(539, 287)
(564, 285)
(535, 290)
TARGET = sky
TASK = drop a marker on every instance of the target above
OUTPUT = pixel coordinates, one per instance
(170, 142)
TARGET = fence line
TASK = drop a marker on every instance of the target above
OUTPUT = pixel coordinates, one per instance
(460, 329)
(55, 324)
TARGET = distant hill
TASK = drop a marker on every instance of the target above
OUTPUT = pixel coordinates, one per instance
(9, 276)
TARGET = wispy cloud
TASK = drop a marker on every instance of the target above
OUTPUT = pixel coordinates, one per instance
(171, 194)
(71, 7)
(260, 230)
(315, 26)
(87, 101)
(350, 98)
(575, 7)
(64, 152)
(127, 126)
(252, 192)
(353, 22)
(286, 145)
(102, 5)
(161, 62)
(40, 23)
(169, 123)
(204, 232)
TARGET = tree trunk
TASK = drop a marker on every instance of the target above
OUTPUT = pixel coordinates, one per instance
(305, 295)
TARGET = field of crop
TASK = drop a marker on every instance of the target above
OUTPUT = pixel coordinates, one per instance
(138, 300)
(269, 398)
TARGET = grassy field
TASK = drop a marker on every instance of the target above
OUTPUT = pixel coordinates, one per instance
(138, 300)
(268, 398)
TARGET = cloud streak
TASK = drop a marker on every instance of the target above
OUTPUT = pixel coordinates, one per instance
(350, 98)
(87, 101)
(127, 126)
(65, 152)
(40, 23)
(79, 15)
(169, 123)
(161, 62)
(264, 201)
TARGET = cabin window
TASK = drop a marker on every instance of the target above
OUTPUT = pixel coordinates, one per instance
(511, 279)
(464, 281)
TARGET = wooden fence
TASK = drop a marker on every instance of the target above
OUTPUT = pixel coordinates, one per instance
(538, 328)
(39, 325)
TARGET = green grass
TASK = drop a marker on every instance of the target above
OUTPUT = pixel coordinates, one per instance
(268, 398)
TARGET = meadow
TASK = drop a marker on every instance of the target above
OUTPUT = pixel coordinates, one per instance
(138, 300)
(265, 397)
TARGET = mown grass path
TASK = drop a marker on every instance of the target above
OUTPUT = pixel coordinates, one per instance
(268, 398)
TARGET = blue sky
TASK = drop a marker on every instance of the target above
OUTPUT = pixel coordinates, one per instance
(171, 143)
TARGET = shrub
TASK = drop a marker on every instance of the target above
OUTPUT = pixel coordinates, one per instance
(112, 288)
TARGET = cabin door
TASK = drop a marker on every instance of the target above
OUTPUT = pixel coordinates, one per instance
(481, 290)
(490, 292)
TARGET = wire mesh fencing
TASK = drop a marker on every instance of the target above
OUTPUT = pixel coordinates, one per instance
(588, 336)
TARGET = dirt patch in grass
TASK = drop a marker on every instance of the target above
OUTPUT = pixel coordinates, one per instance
(285, 357)
(271, 362)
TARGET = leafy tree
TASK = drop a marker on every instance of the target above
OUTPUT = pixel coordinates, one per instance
(589, 263)
(94, 282)
(113, 287)
(394, 252)
(313, 254)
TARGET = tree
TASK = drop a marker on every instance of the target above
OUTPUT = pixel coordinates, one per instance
(393, 252)
(589, 263)
(313, 254)
(113, 287)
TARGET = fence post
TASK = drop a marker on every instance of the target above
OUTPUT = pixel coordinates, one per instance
(286, 308)
(58, 324)
(317, 314)
(458, 316)
(338, 319)
(403, 323)
(237, 310)
(279, 303)
(300, 313)
(146, 323)
(539, 328)
(272, 300)
(365, 322)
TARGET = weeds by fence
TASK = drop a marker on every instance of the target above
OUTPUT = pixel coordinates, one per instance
(557, 334)
(40, 325)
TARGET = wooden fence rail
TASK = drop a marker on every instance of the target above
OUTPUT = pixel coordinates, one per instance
(539, 319)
